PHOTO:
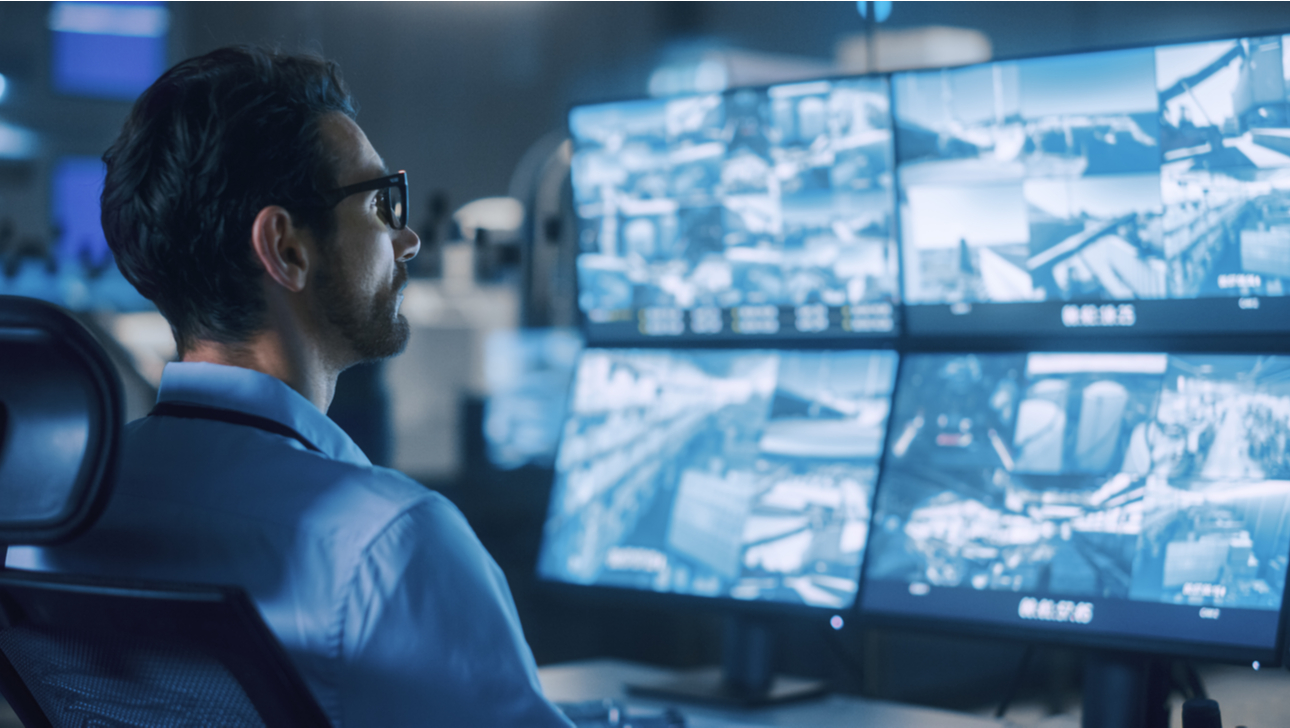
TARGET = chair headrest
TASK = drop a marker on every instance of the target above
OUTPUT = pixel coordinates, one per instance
(60, 424)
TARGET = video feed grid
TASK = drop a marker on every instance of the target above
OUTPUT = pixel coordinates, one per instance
(698, 212)
(1072, 479)
(736, 474)
(1148, 174)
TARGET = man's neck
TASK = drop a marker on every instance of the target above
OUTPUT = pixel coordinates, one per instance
(301, 368)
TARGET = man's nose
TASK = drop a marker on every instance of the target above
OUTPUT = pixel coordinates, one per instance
(406, 244)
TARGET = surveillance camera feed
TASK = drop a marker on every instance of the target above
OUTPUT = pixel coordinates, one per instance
(1130, 495)
(741, 475)
(751, 213)
(1142, 189)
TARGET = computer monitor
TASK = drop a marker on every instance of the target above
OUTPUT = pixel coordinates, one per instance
(1132, 502)
(751, 214)
(737, 478)
(1109, 193)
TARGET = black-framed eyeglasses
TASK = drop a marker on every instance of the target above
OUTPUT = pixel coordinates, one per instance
(392, 202)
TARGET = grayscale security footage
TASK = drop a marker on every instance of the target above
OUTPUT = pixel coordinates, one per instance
(1151, 173)
(737, 474)
(1153, 478)
(771, 197)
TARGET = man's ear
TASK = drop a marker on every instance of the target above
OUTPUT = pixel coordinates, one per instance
(284, 249)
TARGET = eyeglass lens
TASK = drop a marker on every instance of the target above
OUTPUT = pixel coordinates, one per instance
(394, 206)
(398, 207)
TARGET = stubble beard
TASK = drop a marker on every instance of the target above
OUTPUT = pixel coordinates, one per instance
(372, 327)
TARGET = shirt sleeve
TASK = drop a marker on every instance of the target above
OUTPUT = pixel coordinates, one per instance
(430, 632)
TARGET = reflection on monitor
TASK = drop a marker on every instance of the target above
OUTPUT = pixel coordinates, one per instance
(762, 212)
(730, 474)
(1108, 190)
(1134, 495)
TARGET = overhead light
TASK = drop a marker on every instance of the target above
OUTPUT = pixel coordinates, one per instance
(142, 21)
(16, 142)
(881, 10)
(4, 86)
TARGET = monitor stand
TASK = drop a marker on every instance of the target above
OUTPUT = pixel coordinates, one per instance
(1123, 690)
(746, 676)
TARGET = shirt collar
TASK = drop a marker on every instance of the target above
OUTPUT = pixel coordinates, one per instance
(247, 390)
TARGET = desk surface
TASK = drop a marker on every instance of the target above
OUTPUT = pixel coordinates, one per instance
(1248, 698)
(605, 678)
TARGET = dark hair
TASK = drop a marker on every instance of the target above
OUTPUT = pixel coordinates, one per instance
(215, 140)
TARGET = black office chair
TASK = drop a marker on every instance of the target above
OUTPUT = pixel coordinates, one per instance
(86, 651)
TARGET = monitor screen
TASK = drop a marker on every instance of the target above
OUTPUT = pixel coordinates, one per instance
(1088, 496)
(109, 50)
(742, 475)
(751, 214)
(84, 273)
(1110, 192)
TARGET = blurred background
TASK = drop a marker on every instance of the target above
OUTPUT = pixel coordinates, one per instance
(470, 99)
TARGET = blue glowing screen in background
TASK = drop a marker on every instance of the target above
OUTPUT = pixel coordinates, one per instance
(78, 182)
(529, 372)
(77, 269)
(111, 51)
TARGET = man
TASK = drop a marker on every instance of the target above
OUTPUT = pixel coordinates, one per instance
(243, 200)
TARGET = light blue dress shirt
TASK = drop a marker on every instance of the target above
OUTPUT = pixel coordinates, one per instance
(377, 587)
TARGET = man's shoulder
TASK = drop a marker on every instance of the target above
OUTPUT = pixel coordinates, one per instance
(255, 474)
(368, 501)
(390, 490)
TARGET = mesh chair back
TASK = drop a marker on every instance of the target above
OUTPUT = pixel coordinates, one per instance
(84, 679)
(108, 652)
(60, 421)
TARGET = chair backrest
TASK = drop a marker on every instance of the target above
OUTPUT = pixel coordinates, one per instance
(113, 652)
(78, 650)
(60, 422)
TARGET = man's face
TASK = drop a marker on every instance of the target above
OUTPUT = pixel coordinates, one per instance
(358, 284)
